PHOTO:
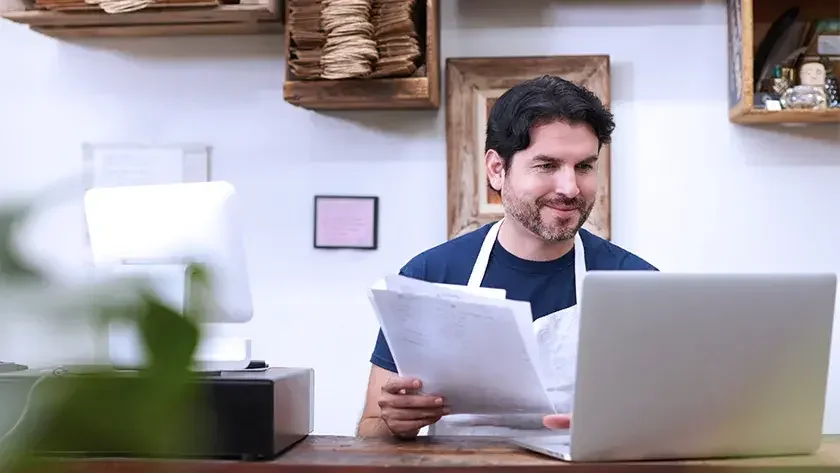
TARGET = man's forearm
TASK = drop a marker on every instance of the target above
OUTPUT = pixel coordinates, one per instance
(375, 427)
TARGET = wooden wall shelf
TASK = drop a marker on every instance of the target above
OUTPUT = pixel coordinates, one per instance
(421, 92)
(757, 116)
(254, 17)
(748, 23)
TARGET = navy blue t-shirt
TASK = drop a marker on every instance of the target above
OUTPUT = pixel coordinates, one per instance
(548, 285)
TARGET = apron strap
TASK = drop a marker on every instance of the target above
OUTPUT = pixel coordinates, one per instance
(483, 259)
(580, 267)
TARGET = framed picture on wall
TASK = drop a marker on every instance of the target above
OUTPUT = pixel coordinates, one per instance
(346, 222)
(473, 85)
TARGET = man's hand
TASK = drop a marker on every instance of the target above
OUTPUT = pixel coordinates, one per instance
(558, 421)
(404, 410)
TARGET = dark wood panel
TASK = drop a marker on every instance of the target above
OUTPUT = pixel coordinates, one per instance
(766, 11)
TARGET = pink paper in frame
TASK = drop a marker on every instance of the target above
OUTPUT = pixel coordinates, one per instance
(346, 222)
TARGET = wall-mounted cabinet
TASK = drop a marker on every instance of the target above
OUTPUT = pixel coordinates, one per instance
(393, 62)
(83, 18)
(784, 61)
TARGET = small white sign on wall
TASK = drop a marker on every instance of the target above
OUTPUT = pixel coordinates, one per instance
(108, 165)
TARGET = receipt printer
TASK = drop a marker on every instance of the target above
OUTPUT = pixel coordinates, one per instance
(245, 415)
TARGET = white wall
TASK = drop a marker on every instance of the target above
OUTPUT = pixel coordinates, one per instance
(690, 191)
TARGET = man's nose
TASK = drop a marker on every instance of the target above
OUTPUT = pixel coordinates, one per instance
(566, 182)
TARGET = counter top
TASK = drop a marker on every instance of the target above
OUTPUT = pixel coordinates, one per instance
(329, 454)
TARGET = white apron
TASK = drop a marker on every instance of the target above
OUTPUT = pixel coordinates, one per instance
(557, 341)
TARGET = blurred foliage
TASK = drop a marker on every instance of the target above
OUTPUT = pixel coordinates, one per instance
(151, 412)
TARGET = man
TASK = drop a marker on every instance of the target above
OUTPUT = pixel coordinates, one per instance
(543, 140)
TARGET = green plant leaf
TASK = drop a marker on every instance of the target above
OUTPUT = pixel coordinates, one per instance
(12, 265)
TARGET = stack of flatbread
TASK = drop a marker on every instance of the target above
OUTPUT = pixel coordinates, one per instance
(349, 49)
(396, 38)
(307, 38)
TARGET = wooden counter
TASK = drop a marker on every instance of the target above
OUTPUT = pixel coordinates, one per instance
(323, 454)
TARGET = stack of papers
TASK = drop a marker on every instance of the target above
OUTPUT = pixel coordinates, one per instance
(470, 345)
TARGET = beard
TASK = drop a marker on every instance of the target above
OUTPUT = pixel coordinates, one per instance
(556, 229)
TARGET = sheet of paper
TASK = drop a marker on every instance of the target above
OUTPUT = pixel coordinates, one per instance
(403, 284)
(470, 352)
(480, 295)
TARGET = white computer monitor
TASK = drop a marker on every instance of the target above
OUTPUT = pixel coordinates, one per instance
(156, 231)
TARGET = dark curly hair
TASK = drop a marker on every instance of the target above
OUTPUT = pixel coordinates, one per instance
(540, 101)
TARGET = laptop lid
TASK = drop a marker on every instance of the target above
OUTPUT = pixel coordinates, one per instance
(701, 365)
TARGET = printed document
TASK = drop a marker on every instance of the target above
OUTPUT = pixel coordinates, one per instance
(469, 345)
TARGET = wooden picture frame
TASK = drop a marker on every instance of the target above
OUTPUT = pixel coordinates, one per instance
(472, 85)
(357, 228)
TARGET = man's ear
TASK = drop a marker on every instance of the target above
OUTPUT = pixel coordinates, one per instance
(495, 169)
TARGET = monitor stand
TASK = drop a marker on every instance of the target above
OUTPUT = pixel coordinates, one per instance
(216, 352)
(220, 353)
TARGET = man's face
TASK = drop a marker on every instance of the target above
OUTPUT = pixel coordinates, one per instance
(551, 186)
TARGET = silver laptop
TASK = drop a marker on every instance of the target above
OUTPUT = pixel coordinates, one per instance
(682, 366)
